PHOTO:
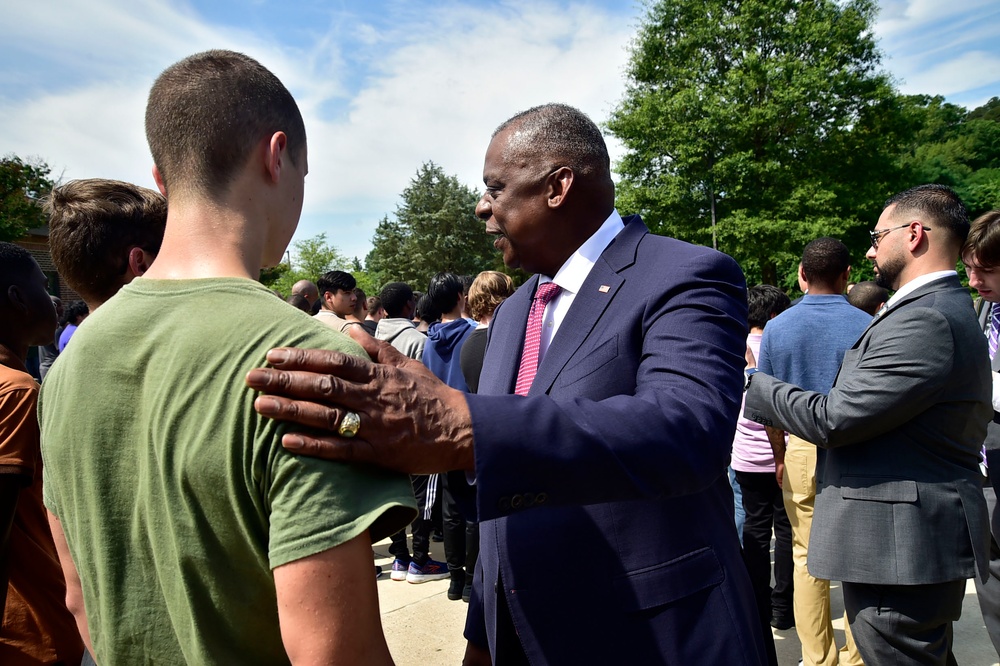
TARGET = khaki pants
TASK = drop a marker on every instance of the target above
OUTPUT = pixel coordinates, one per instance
(811, 596)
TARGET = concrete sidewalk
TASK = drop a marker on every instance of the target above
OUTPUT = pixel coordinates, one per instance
(424, 628)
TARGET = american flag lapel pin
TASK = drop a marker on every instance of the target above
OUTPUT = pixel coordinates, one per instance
(604, 288)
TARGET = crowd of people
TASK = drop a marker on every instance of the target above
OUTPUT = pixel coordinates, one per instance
(202, 471)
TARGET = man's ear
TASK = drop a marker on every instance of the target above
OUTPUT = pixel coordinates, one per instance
(139, 261)
(160, 185)
(16, 301)
(558, 184)
(277, 148)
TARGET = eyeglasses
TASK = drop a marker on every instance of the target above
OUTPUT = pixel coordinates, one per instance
(877, 235)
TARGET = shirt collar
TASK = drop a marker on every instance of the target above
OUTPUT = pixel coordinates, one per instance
(572, 274)
(916, 283)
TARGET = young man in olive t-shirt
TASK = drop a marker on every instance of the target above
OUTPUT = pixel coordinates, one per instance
(186, 532)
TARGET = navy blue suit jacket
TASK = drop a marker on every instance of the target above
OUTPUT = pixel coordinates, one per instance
(606, 507)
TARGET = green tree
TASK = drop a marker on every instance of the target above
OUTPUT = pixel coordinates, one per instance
(758, 125)
(957, 148)
(310, 258)
(435, 229)
(23, 183)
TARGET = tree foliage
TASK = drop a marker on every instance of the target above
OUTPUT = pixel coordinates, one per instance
(435, 229)
(956, 147)
(23, 183)
(758, 125)
(310, 258)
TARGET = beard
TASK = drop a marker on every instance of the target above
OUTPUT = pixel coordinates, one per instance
(887, 272)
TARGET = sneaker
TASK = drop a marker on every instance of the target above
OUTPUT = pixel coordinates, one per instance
(378, 572)
(398, 569)
(430, 571)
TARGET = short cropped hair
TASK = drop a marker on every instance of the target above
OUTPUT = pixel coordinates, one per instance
(374, 303)
(335, 280)
(983, 241)
(868, 296)
(426, 310)
(560, 132)
(488, 290)
(16, 264)
(394, 297)
(444, 291)
(824, 260)
(207, 113)
(93, 224)
(764, 301)
(939, 205)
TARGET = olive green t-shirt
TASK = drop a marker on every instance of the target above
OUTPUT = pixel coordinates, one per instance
(176, 498)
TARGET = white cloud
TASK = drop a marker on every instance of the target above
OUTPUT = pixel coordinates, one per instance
(968, 71)
(941, 48)
(903, 17)
(438, 83)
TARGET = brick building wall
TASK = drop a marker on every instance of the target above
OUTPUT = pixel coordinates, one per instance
(37, 243)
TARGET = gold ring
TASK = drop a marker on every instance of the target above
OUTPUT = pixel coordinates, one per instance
(350, 425)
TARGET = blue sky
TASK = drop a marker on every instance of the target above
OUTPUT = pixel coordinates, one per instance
(384, 85)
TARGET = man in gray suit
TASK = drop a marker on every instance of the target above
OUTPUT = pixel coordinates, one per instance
(981, 256)
(900, 516)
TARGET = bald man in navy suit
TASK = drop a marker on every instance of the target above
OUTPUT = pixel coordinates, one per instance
(616, 457)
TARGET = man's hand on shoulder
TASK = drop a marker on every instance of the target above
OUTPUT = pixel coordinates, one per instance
(410, 421)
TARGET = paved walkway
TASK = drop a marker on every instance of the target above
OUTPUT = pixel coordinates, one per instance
(424, 628)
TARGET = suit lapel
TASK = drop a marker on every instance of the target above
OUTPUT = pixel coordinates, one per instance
(937, 285)
(506, 338)
(596, 294)
(949, 282)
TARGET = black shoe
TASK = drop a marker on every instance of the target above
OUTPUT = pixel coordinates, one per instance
(455, 588)
(467, 592)
(781, 623)
(437, 536)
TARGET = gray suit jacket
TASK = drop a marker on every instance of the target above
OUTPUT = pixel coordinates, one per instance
(899, 500)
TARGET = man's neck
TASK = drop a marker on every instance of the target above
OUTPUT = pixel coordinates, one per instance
(205, 240)
(823, 290)
(451, 316)
(13, 355)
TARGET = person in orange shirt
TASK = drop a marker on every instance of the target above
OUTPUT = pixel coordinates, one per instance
(37, 627)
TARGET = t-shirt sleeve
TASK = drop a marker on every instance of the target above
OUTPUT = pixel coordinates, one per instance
(316, 504)
(18, 432)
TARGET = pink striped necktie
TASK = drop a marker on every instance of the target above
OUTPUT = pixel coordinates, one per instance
(993, 336)
(533, 336)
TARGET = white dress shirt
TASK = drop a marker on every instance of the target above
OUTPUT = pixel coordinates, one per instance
(571, 276)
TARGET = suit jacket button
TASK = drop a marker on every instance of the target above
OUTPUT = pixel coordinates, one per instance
(504, 504)
(516, 502)
(529, 500)
(541, 498)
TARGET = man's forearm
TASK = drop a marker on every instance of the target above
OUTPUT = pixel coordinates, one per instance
(776, 437)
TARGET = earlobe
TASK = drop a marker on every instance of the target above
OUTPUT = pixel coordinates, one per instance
(559, 183)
